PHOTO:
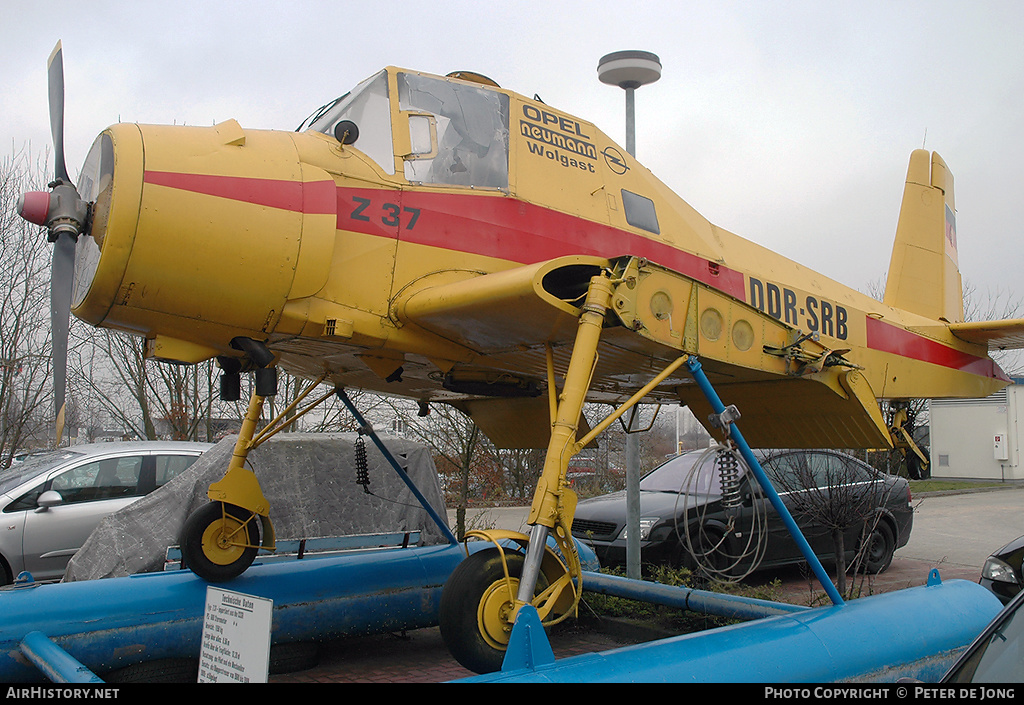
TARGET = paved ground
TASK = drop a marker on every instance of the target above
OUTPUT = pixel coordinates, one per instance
(420, 656)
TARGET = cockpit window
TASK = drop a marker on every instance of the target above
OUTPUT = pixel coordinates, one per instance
(469, 144)
(367, 106)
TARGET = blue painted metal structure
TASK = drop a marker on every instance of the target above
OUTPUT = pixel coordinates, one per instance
(73, 630)
(693, 365)
(681, 597)
(366, 428)
(916, 632)
(55, 663)
(908, 633)
(109, 624)
(117, 622)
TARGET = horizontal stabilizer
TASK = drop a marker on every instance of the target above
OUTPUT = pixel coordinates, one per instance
(1007, 334)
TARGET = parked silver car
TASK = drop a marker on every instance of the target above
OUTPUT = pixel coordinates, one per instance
(51, 502)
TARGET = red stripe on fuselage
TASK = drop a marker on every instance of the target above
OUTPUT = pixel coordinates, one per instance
(512, 230)
(315, 197)
(885, 337)
(493, 226)
(516, 231)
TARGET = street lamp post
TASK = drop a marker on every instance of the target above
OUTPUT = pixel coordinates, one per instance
(629, 70)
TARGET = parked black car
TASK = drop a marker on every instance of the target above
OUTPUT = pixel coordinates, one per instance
(1003, 570)
(697, 512)
(995, 656)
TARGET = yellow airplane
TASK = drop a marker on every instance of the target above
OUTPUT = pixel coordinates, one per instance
(446, 240)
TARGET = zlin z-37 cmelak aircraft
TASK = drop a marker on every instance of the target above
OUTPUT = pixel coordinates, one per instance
(445, 240)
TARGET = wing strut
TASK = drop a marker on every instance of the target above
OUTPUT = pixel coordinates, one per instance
(507, 625)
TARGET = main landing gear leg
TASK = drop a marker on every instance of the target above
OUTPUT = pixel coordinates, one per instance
(493, 602)
(220, 540)
(487, 591)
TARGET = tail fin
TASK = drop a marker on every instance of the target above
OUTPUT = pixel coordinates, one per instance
(924, 277)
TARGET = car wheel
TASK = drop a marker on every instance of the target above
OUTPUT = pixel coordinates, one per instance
(293, 656)
(476, 607)
(219, 541)
(880, 547)
(708, 557)
(169, 670)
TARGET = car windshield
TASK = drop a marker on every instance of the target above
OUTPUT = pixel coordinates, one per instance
(32, 466)
(677, 475)
(999, 659)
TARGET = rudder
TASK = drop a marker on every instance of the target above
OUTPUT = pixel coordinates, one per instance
(924, 275)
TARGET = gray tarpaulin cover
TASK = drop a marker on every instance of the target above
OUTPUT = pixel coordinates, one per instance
(310, 482)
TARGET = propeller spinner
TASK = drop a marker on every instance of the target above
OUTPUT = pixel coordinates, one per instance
(66, 216)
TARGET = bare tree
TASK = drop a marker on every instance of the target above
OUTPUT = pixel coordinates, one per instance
(832, 491)
(995, 305)
(24, 315)
(460, 452)
(111, 368)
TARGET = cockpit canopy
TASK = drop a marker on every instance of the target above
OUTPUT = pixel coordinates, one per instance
(443, 131)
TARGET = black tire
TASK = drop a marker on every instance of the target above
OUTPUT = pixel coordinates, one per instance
(880, 546)
(710, 560)
(914, 467)
(167, 670)
(200, 550)
(293, 656)
(478, 577)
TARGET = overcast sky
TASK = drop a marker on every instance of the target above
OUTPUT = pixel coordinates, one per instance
(789, 123)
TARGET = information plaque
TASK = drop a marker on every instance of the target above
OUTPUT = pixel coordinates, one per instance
(236, 638)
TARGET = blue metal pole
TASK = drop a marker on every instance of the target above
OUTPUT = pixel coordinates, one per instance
(117, 622)
(368, 429)
(54, 662)
(755, 467)
(681, 597)
(915, 633)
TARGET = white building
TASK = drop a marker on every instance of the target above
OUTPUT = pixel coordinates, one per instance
(979, 438)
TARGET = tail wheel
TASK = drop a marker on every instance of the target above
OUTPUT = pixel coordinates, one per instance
(476, 608)
(219, 541)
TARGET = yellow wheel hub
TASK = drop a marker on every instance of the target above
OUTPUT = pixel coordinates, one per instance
(494, 613)
(225, 540)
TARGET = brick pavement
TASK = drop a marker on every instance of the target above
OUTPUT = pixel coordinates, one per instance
(420, 656)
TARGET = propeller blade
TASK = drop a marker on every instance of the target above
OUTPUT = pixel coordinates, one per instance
(61, 282)
(55, 81)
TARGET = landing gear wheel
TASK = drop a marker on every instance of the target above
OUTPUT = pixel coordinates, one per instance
(476, 609)
(881, 546)
(219, 541)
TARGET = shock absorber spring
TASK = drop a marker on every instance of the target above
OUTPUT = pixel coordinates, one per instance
(362, 469)
(729, 474)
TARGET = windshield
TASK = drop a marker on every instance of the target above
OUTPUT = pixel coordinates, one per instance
(679, 475)
(368, 106)
(470, 144)
(32, 466)
(999, 659)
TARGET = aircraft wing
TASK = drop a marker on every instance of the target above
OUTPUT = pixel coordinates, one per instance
(789, 389)
(1006, 334)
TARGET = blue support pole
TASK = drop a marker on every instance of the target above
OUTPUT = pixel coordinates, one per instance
(368, 429)
(54, 662)
(755, 467)
(681, 597)
(913, 633)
